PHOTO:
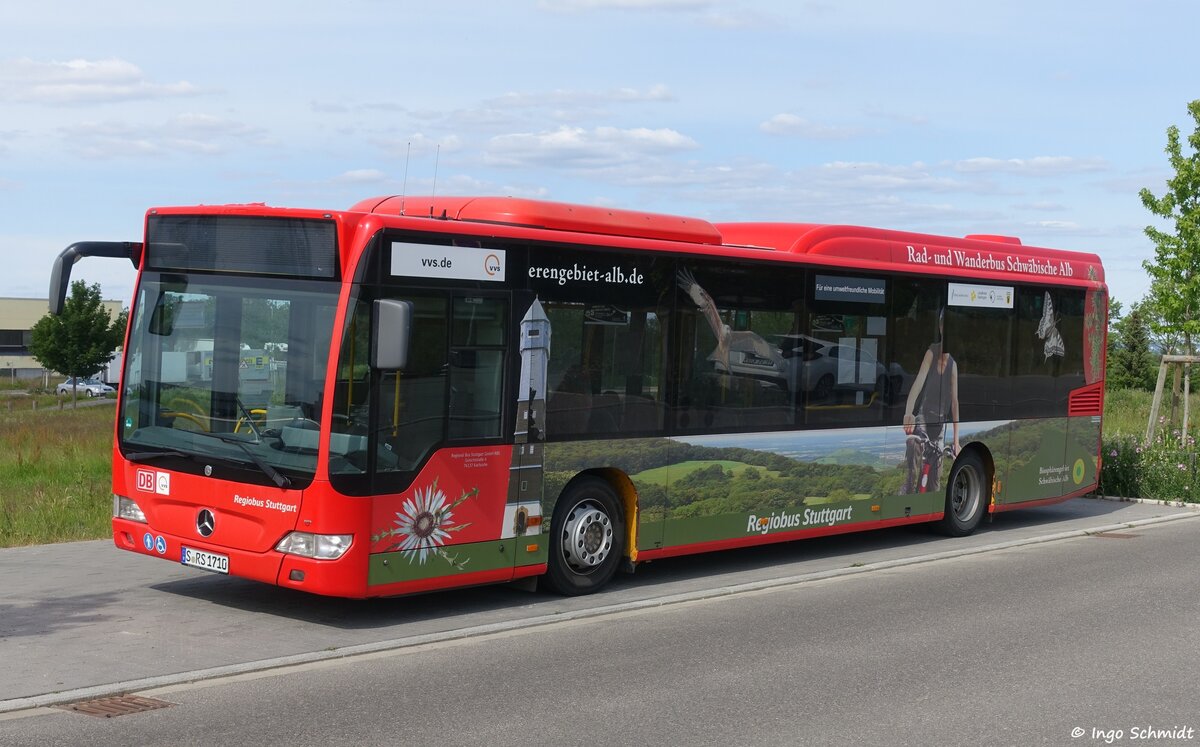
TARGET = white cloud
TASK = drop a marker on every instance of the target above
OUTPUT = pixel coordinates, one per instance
(796, 126)
(562, 97)
(508, 111)
(1133, 183)
(1036, 166)
(81, 81)
(417, 145)
(720, 15)
(576, 147)
(361, 176)
(1075, 228)
(533, 193)
(186, 133)
(572, 6)
(879, 176)
(1041, 205)
(895, 116)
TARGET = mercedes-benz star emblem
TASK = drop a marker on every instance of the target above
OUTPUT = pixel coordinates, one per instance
(205, 522)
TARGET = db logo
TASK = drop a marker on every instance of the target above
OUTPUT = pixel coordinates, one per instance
(146, 480)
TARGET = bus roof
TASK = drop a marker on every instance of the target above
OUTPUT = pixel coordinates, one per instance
(989, 256)
(556, 216)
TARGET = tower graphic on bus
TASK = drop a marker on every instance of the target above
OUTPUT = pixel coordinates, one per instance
(525, 479)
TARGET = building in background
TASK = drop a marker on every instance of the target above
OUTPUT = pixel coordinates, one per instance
(17, 317)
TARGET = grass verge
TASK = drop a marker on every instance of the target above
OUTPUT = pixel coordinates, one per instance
(55, 469)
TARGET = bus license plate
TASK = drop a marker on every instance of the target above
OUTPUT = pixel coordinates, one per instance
(208, 561)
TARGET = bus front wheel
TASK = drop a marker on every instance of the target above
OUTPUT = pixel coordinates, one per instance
(587, 537)
(966, 496)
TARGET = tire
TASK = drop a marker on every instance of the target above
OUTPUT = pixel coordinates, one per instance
(587, 538)
(967, 492)
(90, 393)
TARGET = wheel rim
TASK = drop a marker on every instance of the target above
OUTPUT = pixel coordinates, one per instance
(587, 537)
(965, 493)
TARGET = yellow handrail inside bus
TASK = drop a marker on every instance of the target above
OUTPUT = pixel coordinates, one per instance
(396, 409)
(257, 413)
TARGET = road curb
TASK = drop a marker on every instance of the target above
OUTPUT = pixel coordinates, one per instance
(12, 706)
(1147, 501)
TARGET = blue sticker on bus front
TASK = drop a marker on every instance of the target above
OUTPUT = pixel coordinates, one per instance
(160, 544)
(148, 541)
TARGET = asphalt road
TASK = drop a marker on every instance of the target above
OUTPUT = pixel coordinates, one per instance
(846, 640)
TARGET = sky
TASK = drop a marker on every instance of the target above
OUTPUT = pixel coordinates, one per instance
(1040, 120)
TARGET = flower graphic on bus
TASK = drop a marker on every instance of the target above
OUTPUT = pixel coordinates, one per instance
(424, 523)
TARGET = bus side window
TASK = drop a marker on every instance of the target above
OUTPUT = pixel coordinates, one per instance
(410, 415)
(844, 378)
(605, 374)
(350, 397)
(736, 347)
(1037, 359)
(477, 348)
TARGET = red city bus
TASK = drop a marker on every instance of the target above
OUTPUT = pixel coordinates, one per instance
(423, 393)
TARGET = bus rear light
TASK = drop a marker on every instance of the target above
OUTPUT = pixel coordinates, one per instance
(319, 546)
(126, 508)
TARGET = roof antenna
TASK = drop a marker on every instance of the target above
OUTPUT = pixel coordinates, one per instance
(404, 189)
(436, 157)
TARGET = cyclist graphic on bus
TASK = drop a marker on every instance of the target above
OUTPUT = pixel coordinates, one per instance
(932, 402)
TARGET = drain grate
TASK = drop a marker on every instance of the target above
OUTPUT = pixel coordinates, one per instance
(120, 705)
(1115, 535)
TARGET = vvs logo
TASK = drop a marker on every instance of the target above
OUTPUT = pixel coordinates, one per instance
(149, 481)
(491, 265)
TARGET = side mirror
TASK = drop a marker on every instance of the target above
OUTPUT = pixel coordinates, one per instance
(60, 274)
(391, 330)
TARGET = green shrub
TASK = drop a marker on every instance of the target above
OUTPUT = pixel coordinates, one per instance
(1120, 466)
(1169, 468)
(1164, 469)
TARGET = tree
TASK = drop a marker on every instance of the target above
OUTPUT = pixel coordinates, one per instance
(80, 340)
(1131, 364)
(1175, 270)
(1110, 348)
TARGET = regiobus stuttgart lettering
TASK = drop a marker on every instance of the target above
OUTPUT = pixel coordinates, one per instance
(252, 502)
(980, 261)
(810, 517)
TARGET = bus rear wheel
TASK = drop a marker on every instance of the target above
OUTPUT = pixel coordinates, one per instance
(966, 496)
(587, 538)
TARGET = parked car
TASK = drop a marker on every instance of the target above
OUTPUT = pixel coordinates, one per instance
(89, 387)
(827, 370)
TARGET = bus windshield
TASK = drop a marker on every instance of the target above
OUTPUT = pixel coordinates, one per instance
(225, 373)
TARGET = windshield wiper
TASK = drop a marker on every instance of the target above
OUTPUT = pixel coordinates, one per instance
(249, 419)
(145, 456)
(276, 476)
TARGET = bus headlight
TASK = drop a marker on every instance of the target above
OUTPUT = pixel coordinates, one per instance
(125, 508)
(319, 546)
